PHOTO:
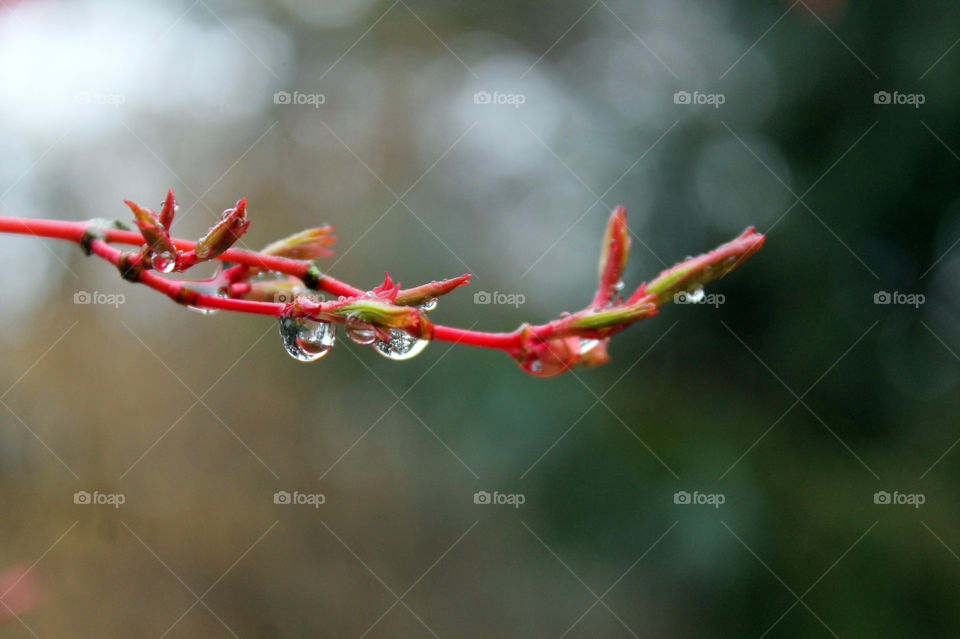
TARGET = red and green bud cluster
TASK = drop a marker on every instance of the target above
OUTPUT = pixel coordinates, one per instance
(581, 339)
(574, 339)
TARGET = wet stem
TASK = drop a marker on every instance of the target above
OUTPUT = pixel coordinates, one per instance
(577, 339)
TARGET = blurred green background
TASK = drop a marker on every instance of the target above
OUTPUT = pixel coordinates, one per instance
(798, 399)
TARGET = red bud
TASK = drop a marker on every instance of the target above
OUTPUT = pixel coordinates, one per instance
(224, 233)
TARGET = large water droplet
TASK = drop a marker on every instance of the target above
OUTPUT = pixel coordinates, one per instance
(401, 345)
(305, 339)
(695, 296)
(429, 305)
(359, 332)
(164, 261)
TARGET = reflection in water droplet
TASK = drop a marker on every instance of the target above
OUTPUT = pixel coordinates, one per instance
(556, 356)
(360, 332)
(587, 345)
(695, 296)
(164, 261)
(618, 286)
(429, 305)
(266, 276)
(307, 340)
(208, 311)
(401, 345)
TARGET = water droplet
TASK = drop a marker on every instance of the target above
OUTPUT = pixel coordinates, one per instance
(429, 305)
(695, 296)
(556, 356)
(401, 345)
(360, 332)
(164, 261)
(208, 311)
(587, 345)
(305, 339)
(202, 310)
(618, 286)
(266, 276)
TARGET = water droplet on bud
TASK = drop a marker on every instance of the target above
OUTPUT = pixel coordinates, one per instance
(400, 346)
(306, 340)
(266, 276)
(208, 311)
(695, 296)
(359, 332)
(429, 305)
(587, 345)
(556, 356)
(164, 261)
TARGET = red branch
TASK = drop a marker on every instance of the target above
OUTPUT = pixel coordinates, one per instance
(546, 349)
